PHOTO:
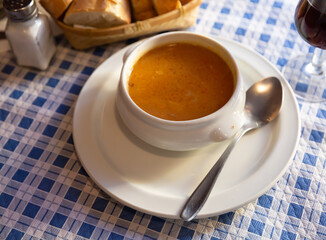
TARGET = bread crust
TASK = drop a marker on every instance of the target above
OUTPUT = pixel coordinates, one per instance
(98, 13)
(164, 6)
(55, 7)
(143, 9)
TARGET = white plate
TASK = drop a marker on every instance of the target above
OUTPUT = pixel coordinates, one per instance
(158, 182)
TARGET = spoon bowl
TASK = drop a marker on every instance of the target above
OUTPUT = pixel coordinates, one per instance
(263, 100)
(262, 105)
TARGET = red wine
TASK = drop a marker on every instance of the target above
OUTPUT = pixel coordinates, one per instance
(310, 21)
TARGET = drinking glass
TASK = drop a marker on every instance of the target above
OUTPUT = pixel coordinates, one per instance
(306, 75)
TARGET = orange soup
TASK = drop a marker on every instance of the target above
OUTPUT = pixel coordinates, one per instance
(180, 81)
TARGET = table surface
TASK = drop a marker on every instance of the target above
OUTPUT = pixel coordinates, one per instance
(46, 194)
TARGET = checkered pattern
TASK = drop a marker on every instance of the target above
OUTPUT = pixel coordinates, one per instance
(46, 194)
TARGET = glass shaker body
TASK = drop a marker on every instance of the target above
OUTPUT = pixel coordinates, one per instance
(31, 40)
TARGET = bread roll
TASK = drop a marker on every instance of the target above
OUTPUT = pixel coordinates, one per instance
(55, 7)
(164, 6)
(143, 9)
(141, 5)
(145, 15)
(98, 13)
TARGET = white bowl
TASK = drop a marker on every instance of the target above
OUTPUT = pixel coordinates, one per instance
(181, 135)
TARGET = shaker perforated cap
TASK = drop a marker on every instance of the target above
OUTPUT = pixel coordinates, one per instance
(20, 10)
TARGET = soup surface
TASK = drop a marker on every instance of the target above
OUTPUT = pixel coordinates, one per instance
(180, 81)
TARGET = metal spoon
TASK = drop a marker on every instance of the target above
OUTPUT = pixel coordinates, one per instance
(263, 102)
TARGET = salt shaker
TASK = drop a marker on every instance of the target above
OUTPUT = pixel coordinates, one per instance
(29, 34)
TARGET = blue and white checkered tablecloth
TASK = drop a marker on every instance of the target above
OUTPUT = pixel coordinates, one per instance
(46, 194)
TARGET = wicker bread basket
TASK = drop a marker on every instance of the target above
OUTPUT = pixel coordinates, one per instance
(82, 38)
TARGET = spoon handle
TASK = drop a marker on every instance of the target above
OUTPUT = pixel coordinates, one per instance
(201, 193)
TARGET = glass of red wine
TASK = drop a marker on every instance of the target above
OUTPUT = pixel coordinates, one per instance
(306, 74)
